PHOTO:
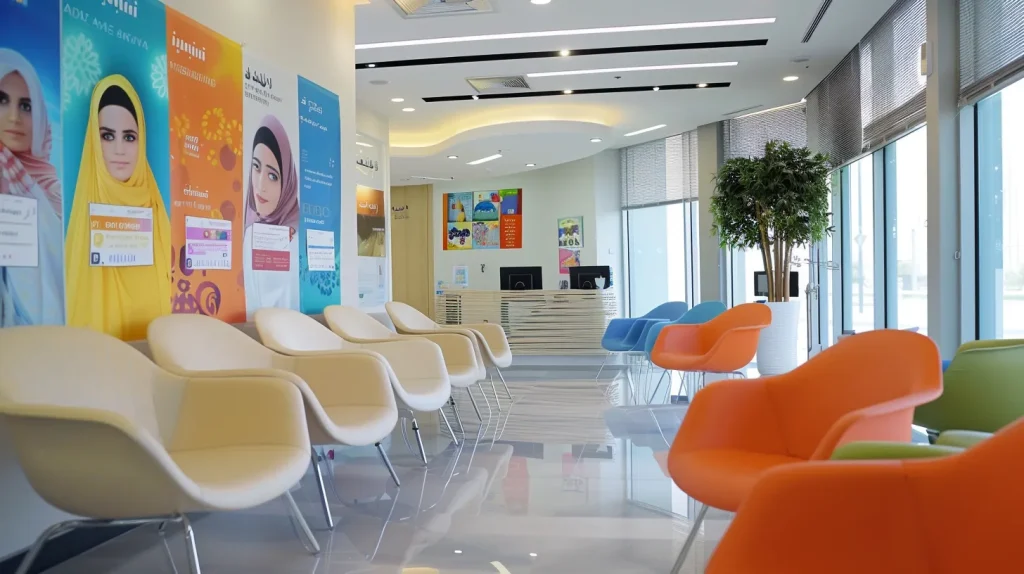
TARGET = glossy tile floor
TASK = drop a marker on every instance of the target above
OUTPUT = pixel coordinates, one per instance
(562, 481)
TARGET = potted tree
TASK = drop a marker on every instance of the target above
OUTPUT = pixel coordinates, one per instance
(774, 203)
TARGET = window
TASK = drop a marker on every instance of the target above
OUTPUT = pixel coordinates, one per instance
(1000, 213)
(658, 249)
(859, 246)
(907, 189)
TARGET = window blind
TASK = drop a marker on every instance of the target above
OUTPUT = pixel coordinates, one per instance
(659, 172)
(746, 136)
(991, 46)
(892, 88)
(835, 108)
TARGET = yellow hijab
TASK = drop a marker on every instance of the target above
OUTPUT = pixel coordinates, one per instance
(120, 301)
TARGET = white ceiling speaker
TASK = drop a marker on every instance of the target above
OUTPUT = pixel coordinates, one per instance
(499, 85)
(427, 8)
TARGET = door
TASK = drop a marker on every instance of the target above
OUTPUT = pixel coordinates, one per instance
(412, 246)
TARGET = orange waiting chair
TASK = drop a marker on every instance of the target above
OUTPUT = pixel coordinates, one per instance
(724, 344)
(956, 515)
(863, 388)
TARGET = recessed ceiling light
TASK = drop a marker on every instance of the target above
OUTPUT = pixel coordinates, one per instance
(533, 554)
(595, 140)
(485, 159)
(398, 100)
(531, 165)
(645, 130)
(631, 69)
(540, 2)
(458, 552)
(656, 88)
(564, 53)
(364, 144)
(790, 78)
(567, 92)
(577, 32)
(408, 109)
(476, 97)
(453, 157)
(371, 65)
(702, 85)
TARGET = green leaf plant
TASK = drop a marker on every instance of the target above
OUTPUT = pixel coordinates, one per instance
(775, 203)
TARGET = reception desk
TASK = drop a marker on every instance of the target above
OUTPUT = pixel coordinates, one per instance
(566, 322)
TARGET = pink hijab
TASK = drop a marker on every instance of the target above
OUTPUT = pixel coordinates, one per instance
(36, 161)
(287, 211)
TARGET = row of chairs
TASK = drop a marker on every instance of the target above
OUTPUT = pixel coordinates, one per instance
(218, 421)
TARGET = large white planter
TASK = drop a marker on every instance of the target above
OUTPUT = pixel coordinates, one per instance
(777, 349)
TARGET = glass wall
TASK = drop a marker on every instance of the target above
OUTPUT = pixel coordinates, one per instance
(658, 246)
(907, 187)
(858, 230)
(1000, 213)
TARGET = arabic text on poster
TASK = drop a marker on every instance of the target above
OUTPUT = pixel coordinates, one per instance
(270, 251)
(207, 243)
(320, 250)
(19, 231)
(120, 236)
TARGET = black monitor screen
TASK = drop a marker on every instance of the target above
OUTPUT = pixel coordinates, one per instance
(761, 284)
(521, 279)
(590, 277)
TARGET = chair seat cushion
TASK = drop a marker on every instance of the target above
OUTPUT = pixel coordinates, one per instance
(618, 345)
(463, 375)
(361, 425)
(423, 394)
(723, 478)
(234, 478)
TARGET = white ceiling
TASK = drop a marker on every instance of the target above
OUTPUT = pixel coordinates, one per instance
(553, 130)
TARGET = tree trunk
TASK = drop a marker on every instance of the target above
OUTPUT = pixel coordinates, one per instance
(780, 281)
(766, 255)
(788, 267)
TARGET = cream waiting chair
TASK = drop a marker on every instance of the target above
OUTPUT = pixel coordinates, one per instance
(415, 366)
(489, 338)
(103, 433)
(464, 367)
(348, 394)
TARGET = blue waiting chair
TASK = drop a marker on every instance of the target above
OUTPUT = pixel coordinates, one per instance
(624, 335)
(702, 313)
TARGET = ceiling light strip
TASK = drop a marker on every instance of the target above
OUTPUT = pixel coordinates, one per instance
(485, 159)
(645, 130)
(632, 69)
(775, 109)
(468, 59)
(558, 33)
(535, 94)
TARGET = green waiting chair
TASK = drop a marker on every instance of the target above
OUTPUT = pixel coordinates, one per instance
(983, 391)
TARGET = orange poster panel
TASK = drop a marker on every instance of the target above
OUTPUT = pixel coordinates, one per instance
(204, 76)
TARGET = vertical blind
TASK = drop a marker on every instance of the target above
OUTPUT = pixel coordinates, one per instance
(746, 136)
(834, 107)
(660, 171)
(892, 88)
(991, 45)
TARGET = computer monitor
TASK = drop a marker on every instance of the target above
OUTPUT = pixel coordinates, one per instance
(521, 279)
(587, 277)
(761, 284)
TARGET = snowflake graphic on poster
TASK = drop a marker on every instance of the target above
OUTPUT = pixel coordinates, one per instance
(81, 66)
(158, 74)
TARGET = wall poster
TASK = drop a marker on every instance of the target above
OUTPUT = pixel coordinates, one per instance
(483, 220)
(570, 232)
(116, 159)
(206, 170)
(567, 258)
(371, 224)
(320, 197)
(31, 195)
(270, 248)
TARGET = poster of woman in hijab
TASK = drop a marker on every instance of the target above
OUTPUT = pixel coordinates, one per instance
(270, 249)
(115, 102)
(31, 212)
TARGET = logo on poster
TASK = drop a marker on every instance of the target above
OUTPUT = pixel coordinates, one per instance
(189, 48)
(129, 7)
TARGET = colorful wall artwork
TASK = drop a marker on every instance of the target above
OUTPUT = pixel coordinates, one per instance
(483, 220)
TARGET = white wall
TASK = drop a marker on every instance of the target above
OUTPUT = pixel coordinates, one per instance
(375, 129)
(316, 39)
(588, 188)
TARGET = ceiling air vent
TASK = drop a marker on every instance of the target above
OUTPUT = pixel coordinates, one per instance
(499, 85)
(426, 8)
(825, 5)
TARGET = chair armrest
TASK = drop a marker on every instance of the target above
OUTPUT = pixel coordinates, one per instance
(652, 335)
(456, 348)
(885, 421)
(412, 358)
(678, 339)
(962, 438)
(731, 414)
(734, 350)
(617, 328)
(835, 517)
(881, 450)
(240, 411)
(494, 335)
(343, 378)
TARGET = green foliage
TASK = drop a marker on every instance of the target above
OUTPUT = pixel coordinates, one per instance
(774, 202)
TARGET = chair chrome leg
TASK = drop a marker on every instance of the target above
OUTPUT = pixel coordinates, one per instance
(599, 371)
(387, 463)
(315, 457)
(487, 403)
(690, 539)
(458, 417)
(298, 521)
(190, 544)
(469, 391)
(162, 531)
(444, 417)
(419, 440)
(658, 388)
(37, 546)
(504, 384)
(495, 390)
